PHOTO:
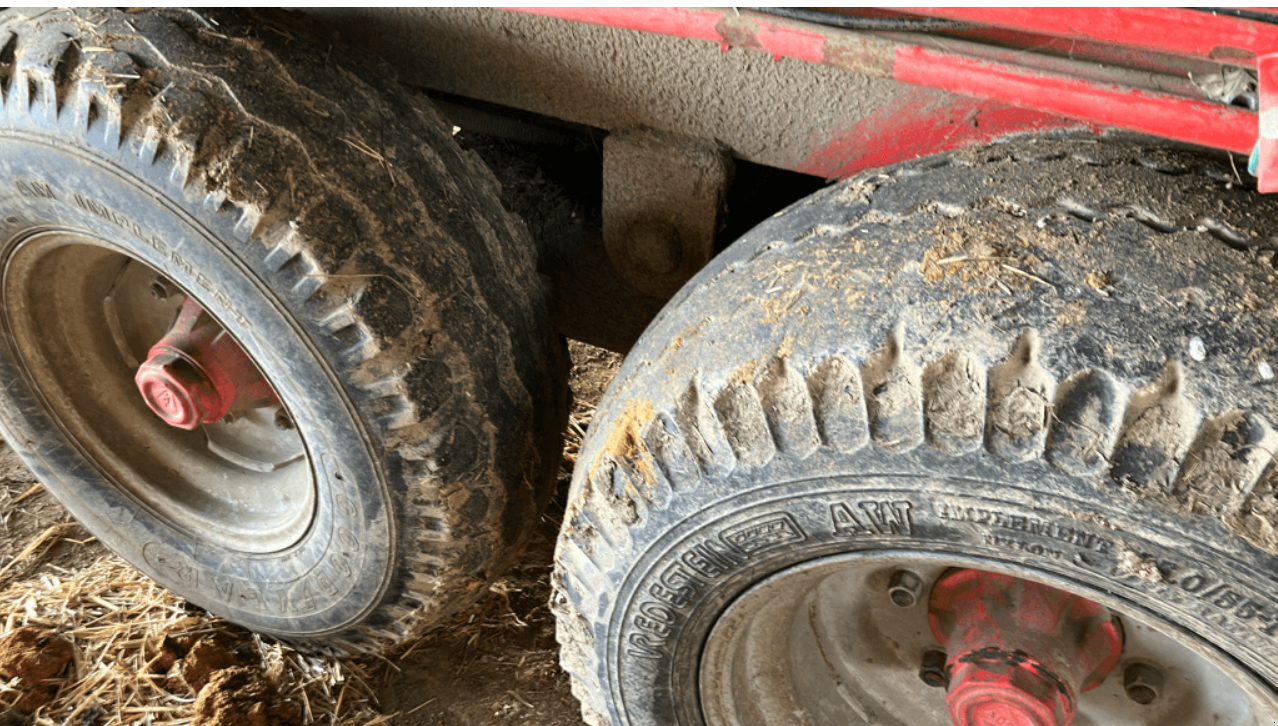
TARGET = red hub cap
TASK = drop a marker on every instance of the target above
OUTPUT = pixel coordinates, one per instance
(197, 373)
(1019, 652)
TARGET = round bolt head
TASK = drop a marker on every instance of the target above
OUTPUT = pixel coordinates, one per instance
(904, 588)
(933, 679)
(1144, 695)
(1143, 683)
(161, 289)
(932, 670)
(282, 420)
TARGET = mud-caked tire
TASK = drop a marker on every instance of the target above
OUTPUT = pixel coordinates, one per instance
(1050, 358)
(328, 223)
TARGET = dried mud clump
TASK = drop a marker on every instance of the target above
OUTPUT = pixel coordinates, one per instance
(242, 696)
(35, 657)
(219, 665)
(191, 653)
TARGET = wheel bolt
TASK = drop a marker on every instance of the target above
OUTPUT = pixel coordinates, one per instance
(1143, 683)
(933, 669)
(904, 588)
(161, 288)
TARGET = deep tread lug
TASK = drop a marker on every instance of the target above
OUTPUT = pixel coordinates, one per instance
(789, 409)
(954, 410)
(894, 401)
(1087, 416)
(1020, 402)
(1160, 424)
(840, 410)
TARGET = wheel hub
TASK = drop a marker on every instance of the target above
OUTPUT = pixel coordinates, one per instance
(834, 638)
(196, 373)
(142, 379)
(1019, 651)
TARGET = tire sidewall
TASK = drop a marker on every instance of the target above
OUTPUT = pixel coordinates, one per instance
(340, 569)
(687, 574)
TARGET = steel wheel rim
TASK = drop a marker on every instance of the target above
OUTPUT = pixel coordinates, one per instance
(77, 319)
(824, 637)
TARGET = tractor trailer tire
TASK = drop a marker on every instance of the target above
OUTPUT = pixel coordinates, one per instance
(267, 331)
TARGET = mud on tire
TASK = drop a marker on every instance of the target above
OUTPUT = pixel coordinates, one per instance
(1052, 358)
(328, 222)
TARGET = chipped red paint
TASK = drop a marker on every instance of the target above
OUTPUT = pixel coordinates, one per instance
(790, 42)
(1172, 31)
(197, 373)
(1017, 652)
(1009, 98)
(1197, 122)
(923, 122)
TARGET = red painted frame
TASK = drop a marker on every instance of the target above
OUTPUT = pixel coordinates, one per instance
(1043, 97)
(1173, 31)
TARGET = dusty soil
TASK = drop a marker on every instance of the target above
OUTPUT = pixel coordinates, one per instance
(499, 663)
(496, 663)
(37, 536)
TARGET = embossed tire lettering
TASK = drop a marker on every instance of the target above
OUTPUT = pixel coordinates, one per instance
(317, 214)
(943, 364)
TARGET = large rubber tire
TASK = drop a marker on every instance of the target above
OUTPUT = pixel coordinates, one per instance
(1050, 358)
(329, 223)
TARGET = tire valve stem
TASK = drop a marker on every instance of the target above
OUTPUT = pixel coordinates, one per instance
(904, 588)
(1143, 683)
(1019, 653)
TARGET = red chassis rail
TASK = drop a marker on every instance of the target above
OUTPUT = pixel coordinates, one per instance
(1011, 90)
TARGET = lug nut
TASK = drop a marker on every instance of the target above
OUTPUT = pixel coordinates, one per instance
(1143, 683)
(933, 669)
(282, 420)
(904, 588)
(161, 288)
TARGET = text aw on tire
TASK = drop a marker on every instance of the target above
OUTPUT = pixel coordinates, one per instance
(979, 438)
(267, 331)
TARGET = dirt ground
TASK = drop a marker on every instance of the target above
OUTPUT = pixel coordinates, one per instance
(497, 663)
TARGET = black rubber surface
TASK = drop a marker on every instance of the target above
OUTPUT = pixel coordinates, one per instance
(1055, 355)
(329, 222)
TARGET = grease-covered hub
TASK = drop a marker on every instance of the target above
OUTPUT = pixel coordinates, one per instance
(1019, 652)
(197, 373)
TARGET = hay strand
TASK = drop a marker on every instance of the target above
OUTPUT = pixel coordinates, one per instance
(117, 618)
